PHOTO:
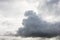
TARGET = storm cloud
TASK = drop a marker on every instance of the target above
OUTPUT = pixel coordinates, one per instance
(34, 26)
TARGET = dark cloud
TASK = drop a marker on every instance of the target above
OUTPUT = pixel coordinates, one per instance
(53, 1)
(34, 26)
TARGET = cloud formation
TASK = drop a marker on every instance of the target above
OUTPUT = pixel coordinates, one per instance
(50, 5)
(12, 13)
(34, 26)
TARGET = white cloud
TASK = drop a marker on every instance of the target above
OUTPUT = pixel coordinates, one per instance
(12, 13)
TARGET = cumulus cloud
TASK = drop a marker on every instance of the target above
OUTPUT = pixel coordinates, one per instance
(34, 26)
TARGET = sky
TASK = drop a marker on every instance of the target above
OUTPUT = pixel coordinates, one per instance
(12, 12)
(43, 23)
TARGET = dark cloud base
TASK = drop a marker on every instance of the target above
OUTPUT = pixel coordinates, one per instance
(36, 34)
(34, 26)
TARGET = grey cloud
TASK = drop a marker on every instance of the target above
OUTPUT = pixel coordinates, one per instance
(34, 26)
(3, 0)
(53, 7)
(53, 1)
(50, 7)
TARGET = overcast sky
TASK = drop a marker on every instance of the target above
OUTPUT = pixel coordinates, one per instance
(12, 12)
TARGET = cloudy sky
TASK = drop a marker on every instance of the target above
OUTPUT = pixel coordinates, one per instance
(12, 12)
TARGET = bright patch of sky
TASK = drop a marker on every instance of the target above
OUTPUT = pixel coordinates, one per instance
(12, 13)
